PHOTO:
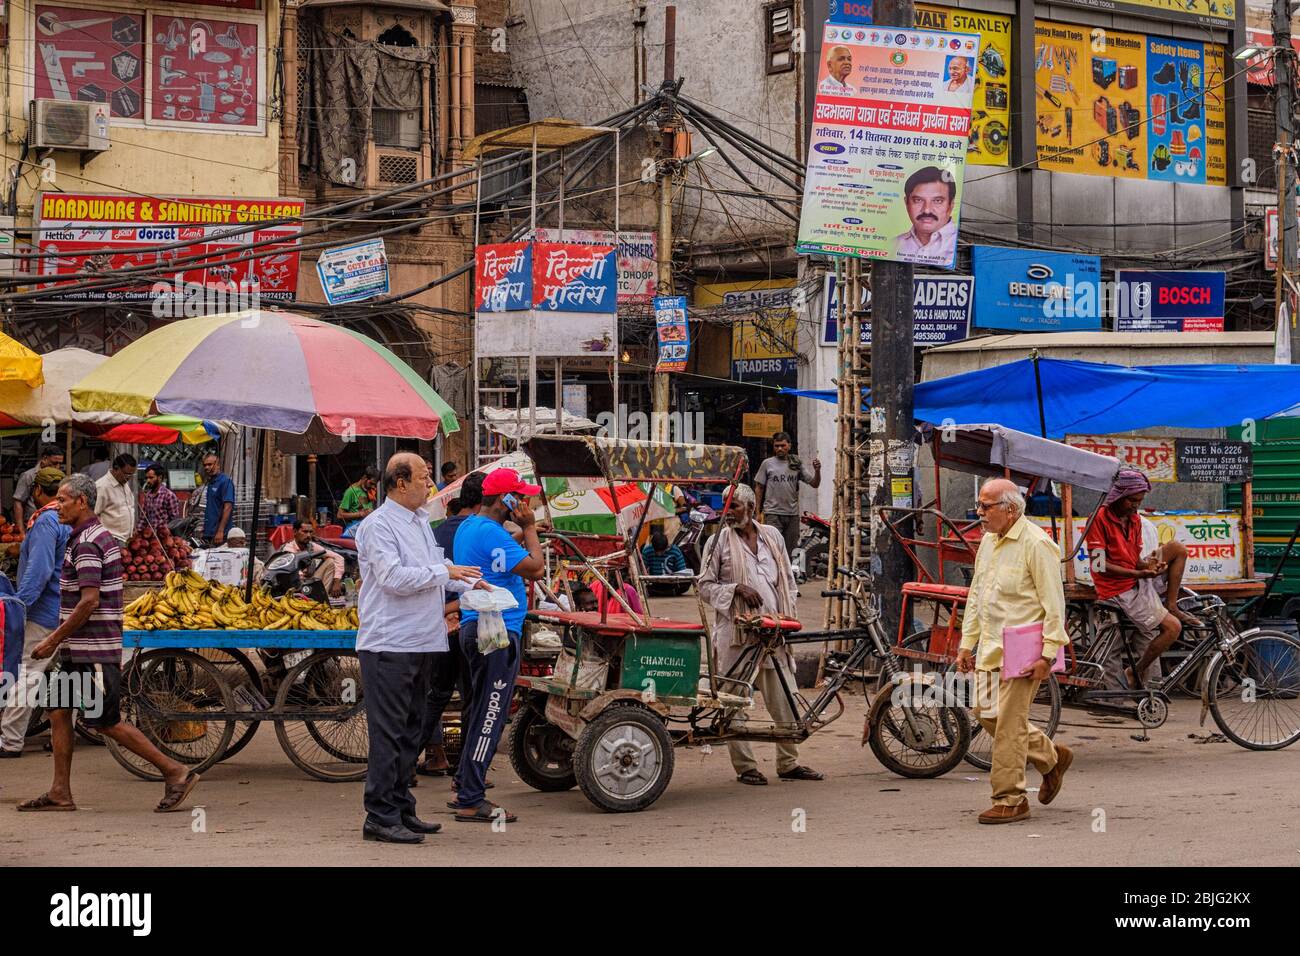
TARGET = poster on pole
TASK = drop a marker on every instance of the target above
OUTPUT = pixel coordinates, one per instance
(891, 125)
(674, 333)
(354, 272)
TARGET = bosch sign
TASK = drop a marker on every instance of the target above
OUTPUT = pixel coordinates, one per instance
(1178, 301)
(850, 11)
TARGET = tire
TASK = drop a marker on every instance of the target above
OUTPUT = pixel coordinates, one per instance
(1268, 718)
(334, 748)
(945, 730)
(237, 670)
(1044, 713)
(631, 732)
(164, 680)
(540, 752)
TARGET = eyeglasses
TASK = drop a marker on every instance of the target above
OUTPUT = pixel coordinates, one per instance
(981, 506)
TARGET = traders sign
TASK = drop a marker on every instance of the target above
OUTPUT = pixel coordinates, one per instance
(108, 233)
(1168, 301)
(942, 306)
(1031, 290)
(891, 125)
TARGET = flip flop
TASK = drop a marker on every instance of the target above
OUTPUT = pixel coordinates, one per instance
(43, 803)
(485, 812)
(174, 794)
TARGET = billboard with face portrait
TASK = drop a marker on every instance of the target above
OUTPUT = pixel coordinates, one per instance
(890, 130)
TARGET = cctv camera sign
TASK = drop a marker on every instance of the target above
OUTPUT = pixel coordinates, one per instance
(891, 126)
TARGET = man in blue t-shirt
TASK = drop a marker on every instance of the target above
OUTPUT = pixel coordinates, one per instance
(218, 502)
(482, 540)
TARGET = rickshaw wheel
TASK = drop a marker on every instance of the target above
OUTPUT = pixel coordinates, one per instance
(540, 752)
(624, 758)
(944, 735)
(164, 680)
(335, 747)
(238, 671)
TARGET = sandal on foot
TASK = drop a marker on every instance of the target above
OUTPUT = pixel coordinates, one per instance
(801, 773)
(754, 778)
(43, 803)
(174, 794)
(485, 812)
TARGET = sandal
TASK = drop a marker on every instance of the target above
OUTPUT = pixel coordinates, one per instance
(43, 803)
(754, 778)
(425, 770)
(174, 794)
(485, 812)
(801, 773)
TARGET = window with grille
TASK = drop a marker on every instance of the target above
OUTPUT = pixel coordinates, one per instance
(396, 168)
(780, 26)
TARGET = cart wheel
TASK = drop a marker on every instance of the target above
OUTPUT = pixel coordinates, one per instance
(624, 758)
(38, 723)
(157, 685)
(237, 671)
(540, 752)
(333, 746)
(1044, 713)
(916, 736)
(1254, 692)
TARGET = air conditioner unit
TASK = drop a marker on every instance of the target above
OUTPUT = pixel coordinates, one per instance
(396, 128)
(65, 124)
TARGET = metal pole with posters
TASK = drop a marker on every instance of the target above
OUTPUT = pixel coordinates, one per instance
(891, 450)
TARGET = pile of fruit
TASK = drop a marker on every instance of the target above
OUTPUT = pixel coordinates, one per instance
(191, 602)
(10, 533)
(149, 556)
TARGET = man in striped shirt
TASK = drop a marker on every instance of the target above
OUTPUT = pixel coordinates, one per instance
(88, 645)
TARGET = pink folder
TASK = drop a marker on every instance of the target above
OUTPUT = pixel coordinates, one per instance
(1021, 646)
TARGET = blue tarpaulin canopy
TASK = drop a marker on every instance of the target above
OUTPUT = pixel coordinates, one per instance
(1092, 398)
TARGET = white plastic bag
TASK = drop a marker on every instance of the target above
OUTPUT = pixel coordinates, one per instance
(492, 633)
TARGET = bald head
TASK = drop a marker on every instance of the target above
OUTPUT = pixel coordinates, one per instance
(1000, 505)
(406, 480)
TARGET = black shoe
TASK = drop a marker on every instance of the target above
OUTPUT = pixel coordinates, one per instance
(13, 754)
(1192, 110)
(1166, 73)
(416, 825)
(397, 834)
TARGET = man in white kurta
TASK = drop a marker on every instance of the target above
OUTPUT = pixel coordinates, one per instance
(746, 571)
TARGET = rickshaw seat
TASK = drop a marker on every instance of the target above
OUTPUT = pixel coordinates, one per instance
(945, 592)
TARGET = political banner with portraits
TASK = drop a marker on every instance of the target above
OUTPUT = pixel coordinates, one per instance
(890, 130)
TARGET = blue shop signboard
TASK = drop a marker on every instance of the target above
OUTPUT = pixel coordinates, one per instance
(1031, 290)
(850, 11)
(1177, 301)
(942, 307)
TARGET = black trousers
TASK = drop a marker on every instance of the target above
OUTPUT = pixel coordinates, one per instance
(396, 686)
(448, 673)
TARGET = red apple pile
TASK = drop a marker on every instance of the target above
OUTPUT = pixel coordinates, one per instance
(149, 556)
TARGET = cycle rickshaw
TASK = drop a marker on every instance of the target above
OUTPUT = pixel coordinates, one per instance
(628, 687)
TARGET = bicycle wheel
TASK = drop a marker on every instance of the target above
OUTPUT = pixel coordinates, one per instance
(914, 735)
(237, 671)
(335, 745)
(1044, 713)
(157, 685)
(1254, 692)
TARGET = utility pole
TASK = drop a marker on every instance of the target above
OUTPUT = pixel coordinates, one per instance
(659, 398)
(1283, 107)
(891, 448)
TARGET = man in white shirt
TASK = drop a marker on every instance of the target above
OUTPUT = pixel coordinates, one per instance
(930, 195)
(839, 64)
(404, 577)
(115, 501)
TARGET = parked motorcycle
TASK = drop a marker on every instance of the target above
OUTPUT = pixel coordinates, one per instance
(697, 524)
(811, 555)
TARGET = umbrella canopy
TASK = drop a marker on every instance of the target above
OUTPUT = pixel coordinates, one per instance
(266, 369)
(18, 363)
(22, 404)
(577, 504)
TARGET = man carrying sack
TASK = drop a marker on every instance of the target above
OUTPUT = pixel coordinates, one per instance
(1017, 582)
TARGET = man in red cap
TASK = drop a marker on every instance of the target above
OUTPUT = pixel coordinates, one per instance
(482, 540)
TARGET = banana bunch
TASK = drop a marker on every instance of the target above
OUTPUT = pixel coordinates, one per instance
(188, 601)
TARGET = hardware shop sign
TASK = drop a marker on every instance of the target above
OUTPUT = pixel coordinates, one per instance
(942, 307)
(1032, 290)
(1168, 301)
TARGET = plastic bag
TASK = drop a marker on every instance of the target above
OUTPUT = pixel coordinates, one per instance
(492, 633)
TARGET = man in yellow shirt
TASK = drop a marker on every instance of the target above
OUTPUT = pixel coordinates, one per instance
(1017, 581)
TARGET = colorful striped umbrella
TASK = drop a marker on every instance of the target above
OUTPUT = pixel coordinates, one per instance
(267, 369)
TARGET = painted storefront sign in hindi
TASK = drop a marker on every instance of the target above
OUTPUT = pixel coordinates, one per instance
(887, 155)
(1213, 542)
(637, 267)
(1153, 456)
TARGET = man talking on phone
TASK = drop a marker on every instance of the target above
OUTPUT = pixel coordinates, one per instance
(481, 540)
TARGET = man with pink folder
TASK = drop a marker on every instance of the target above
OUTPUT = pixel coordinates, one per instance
(1016, 596)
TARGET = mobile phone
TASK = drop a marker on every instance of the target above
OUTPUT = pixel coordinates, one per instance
(510, 501)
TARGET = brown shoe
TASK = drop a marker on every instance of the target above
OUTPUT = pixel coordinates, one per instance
(1052, 779)
(1000, 813)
